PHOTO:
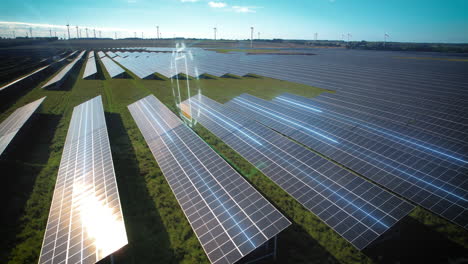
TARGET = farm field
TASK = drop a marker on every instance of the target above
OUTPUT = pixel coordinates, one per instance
(157, 229)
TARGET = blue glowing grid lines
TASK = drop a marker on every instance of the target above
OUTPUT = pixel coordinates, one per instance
(229, 217)
(406, 169)
(10, 126)
(356, 209)
(85, 221)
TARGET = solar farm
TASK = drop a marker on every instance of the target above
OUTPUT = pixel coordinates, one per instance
(178, 154)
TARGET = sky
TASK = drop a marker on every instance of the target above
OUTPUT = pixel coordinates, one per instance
(402, 20)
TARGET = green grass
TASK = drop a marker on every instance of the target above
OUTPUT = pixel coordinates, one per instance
(157, 229)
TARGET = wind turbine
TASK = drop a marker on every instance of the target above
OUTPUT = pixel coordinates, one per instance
(30, 31)
(215, 29)
(94, 30)
(68, 30)
(50, 31)
(251, 36)
(77, 36)
(349, 35)
(258, 35)
(385, 39)
(86, 29)
(157, 32)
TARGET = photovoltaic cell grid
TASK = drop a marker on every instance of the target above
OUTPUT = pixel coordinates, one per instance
(85, 221)
(112, 68)
(64, 72)
(357, 209)
(10, 126)
(229, 217)
(411, 175)
(90, 68)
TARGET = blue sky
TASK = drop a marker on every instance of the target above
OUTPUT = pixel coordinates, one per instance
(403, 20)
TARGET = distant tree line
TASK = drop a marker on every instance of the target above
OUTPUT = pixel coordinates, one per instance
(404, 46)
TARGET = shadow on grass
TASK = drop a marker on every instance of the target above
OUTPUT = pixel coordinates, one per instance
(412, 242)
(148, 241)
(20, 164)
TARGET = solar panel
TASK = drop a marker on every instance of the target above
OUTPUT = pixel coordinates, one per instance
(427, 183)
(62, 75)
(90, 69)
(85, 221)
(114, 70)
(353, 207)
(22, 78)
(10, 126)
(229, 217)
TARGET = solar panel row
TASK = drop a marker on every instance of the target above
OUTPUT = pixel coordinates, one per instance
(10, 126)
(229, 217)
(415, 176)
(63, 74)
(114, 70)
(85, 221)
(90, 69)
(355, 208)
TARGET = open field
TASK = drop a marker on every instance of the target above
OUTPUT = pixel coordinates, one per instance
(157, 229)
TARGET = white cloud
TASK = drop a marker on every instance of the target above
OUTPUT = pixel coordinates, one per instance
(244, 9)
(217, 4)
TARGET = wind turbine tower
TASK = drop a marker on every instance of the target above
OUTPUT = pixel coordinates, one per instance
(86, 29)
(30, 32)
(77, 36)
(258, 35)
(100, 36)
(215, 29)
(349, 36)
(94, 30)
(157, 32)
(385, 39)
(251, 36)
(68, 30)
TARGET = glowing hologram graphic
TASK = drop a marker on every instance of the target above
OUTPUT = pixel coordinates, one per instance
(349, 119)
(287, 120)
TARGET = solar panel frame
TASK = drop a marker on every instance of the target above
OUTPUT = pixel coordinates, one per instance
(63, 74)
(397, 178)
(10, 126)
(85, 222)
(312, 180)
(229, 217)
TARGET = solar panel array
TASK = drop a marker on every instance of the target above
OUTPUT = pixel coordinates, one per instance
(355, 208)
(229, 217)
(63, 74)
(114, 70)
(34, 73)
(413, 171)
(101, 54)
(90, 69)
(10, 126)
(85, 221)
